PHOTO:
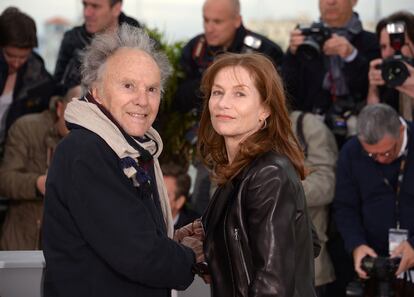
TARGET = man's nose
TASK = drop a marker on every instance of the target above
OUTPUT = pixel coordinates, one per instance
(141, 97)
(87, 11)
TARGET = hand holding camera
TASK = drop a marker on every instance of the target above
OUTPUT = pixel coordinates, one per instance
(360, 253)
(337, 45)
(406, 252)
(394, 69)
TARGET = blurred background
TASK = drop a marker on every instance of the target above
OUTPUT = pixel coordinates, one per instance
(179, 20)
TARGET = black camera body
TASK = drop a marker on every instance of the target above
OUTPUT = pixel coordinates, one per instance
(393, 70)
(381, 271)
(315, 37)
(380, 268)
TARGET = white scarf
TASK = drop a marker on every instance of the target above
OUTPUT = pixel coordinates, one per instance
(89, 116)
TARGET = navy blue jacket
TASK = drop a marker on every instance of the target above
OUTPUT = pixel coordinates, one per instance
(364, 205)
(101, 235)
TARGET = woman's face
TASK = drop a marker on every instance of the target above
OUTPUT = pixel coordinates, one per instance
(15, 57)
(235, 104)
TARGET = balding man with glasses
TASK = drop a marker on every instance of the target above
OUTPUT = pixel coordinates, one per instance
(374, 196)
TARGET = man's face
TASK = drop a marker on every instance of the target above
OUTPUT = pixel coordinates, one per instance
(129, 88)
(220, 21)
(15, 57)
(99, 15)
(386, 150)
(387, 50)
(336, 13)
(176, 203)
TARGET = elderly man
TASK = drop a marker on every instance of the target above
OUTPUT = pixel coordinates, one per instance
(99, 15)
(399, 96)
(28, 152)
(223, 32)
(333, 81)
(374, 197)
(107, 225)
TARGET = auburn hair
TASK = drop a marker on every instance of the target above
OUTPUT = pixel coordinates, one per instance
(276, 136)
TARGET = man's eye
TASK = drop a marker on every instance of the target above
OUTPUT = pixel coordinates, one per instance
(152, 89)
(128, 86)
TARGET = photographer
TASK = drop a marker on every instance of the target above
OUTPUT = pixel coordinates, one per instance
(373, 206)
(392, 48)
(339, 73)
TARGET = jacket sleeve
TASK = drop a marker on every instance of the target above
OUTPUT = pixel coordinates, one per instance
(114, 221)
(270, 215)
(347, 211)
(321, 161)
(66, 52)
(15, 180)
(356, 71)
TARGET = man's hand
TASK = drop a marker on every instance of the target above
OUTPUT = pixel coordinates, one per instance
(408, 86)
(406, 252)
(359, 253)
(296, 39)
(194, 229)
(41, 184)
(338, 45)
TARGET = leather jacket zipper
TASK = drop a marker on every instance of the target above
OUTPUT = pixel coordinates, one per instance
(237, 238)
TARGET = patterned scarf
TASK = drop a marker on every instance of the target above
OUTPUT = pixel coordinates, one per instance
(91, 117)
(334, 79)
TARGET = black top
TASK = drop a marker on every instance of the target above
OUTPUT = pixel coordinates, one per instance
(304, 78)
(102, 236)
(33, 88)
(197, 55)
(67, 70)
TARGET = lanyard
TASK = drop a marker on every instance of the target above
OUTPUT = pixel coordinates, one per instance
(400, 181)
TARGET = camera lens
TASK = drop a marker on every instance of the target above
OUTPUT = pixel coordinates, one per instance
(308, 50)
(394, 72)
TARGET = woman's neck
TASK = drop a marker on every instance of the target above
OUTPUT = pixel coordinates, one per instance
(232, 147)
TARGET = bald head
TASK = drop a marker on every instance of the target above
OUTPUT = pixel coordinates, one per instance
(221, 19)
(232, 5)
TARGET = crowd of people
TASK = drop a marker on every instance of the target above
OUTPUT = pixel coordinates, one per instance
(303, 170)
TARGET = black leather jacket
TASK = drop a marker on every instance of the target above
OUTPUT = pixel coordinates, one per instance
(258, 234)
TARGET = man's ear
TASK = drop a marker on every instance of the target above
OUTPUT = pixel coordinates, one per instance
(238, 21)
(179, 202)
(60, 109)
(116, 9)
(95, 94)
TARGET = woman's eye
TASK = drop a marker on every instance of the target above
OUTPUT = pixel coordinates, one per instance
(216, 93)
(240, 94)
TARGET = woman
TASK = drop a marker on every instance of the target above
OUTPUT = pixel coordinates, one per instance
(107, 228)
(258, 234)
(25, 85)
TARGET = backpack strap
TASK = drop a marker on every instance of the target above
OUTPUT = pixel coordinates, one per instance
(300, 134)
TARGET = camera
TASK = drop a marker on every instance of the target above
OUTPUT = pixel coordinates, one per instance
(315, 37)
(381, 271)
(393, 70)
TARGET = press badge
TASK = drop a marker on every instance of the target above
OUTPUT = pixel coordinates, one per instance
(395, 237)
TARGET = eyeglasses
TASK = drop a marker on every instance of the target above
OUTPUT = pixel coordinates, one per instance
(386, 154)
